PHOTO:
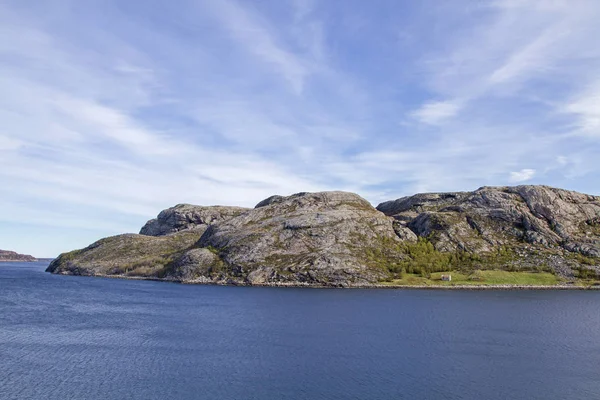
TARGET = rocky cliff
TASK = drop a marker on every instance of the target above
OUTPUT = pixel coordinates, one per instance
(339, 239)
(6, 255)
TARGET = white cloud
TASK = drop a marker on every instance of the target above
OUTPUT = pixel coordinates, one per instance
(114, 125)
(522, 175)
(436, 112)
(587, 110)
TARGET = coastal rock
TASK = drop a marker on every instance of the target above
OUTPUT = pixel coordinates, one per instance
(338, 239)
(126, 255)
(188, 217)
(197, 264)
(552, 221)
(6, 255)
(328, 238)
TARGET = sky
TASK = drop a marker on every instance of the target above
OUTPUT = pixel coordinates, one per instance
(111, 111)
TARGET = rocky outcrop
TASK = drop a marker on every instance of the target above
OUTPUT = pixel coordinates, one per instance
(127, 255)
(538, 222)
(6, 255)
(154, 252)
(339, 239)
(184, 217)
(329, 238)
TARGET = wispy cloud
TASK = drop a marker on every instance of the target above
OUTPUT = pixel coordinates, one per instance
(252, 32)
(586, 108)
(512, 43)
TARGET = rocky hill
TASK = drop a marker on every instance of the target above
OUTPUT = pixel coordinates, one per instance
(6, 255)
(339, 239)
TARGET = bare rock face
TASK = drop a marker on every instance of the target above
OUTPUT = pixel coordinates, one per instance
(328, 238)
(188, 217)
(197, 265)
(271, 200)
(526, 219)
(6, 255)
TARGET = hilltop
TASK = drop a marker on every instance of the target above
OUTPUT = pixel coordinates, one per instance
(340, 239)
(6, 255)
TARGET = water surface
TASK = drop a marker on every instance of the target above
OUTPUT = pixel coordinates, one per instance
(65, 337)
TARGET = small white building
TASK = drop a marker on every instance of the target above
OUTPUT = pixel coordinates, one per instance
(447, 278)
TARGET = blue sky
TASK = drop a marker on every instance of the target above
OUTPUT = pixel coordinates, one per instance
(113, 110)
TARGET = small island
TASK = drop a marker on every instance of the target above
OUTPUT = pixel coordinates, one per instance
(523, 236)
(11, 256)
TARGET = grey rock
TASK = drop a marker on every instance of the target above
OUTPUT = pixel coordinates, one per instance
(552, 220)
(403, 232)
(339, 239)
(321, 238)
(198, 263)
(262, 276)
(188, 217)
(270, 200)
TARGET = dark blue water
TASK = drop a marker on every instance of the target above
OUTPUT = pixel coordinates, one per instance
(90, 338)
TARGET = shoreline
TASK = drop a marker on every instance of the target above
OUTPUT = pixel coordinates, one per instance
(348, 286)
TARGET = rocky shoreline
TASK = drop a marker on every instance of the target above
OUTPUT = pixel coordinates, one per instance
(348, 286)
(338, 239)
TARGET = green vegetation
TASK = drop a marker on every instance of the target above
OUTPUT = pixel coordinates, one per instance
(384, 255)
(592, 226)
(424, 260)
(70, 256)
(130, 255)
(587, 274)
(213, 250)
(478, 277)
(585, 260)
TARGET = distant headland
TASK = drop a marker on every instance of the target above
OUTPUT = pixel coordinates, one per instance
(6, 255)
(525, 236)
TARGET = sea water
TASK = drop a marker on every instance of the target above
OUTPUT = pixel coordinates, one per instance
(65, 337)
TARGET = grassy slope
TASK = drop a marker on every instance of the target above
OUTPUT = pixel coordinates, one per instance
(129, 255)
(488, 277)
